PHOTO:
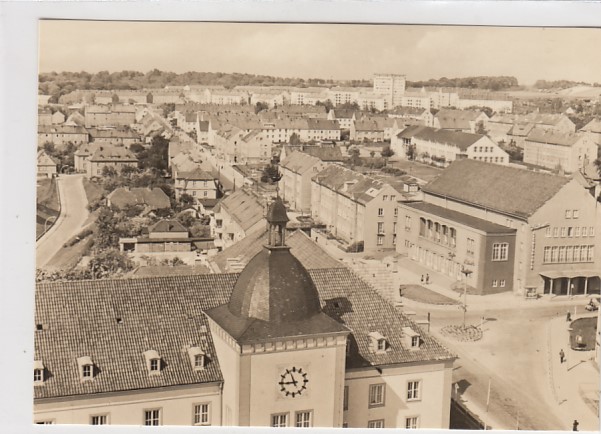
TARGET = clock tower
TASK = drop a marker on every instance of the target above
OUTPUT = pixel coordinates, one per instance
(282, 358)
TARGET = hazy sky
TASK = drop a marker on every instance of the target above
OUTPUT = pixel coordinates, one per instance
(322, 50)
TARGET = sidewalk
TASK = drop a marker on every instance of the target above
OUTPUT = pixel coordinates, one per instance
(570, 380)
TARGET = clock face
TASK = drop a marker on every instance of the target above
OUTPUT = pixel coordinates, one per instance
(293, 382)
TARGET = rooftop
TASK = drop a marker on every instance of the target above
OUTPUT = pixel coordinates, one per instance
(471, 180)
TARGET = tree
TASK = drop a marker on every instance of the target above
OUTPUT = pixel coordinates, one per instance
(355, 159)
(260, 106)
(387, 152)
(410, 152)
(109, 172)
(106, 229)
(372, 154)
(168, 109)
(327, 104)
(109, 263)
(295, 140)
(271, 174)
(49, 148)
(480, 129)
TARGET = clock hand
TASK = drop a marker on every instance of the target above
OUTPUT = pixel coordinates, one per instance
(293, 380)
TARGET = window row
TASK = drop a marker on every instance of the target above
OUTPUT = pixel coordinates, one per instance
(500, 251)
(500, 283)
(491, 159)
(302, 419)
(437, 232)
(571, 213)
(392, 197)
(568, 254)
(201, 416)
(377, 393)
(410, 423)
(569, 231)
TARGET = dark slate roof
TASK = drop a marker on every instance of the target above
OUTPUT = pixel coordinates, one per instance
(159, 313)
(244, 208)
(196, 175)
(322, 124)
(166, 314)
(508, 190)
(299, 162)
(113, 153)
(540, 135)
(301, 246)
(465, 219)
(456, 119)
(453, 138)
(324, 153)
(276, 212)
(168, 226)
(61, 129)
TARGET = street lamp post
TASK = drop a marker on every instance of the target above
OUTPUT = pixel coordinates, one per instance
(466, 274)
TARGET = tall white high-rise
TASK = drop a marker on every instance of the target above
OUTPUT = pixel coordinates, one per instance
(391, 86)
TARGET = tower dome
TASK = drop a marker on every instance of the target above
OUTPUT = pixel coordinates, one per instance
(274, 286)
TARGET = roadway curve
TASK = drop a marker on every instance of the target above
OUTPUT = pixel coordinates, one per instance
(70, 222)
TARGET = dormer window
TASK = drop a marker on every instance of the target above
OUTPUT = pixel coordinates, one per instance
(153, 362)
(86, 368)
(197, 358)
(38, 372)
(379, 343)
(411, 338)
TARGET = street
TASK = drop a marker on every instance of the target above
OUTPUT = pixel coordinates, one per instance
(70, 222)
(512, 355)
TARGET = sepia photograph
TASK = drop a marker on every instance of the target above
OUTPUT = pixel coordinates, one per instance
(317, 225)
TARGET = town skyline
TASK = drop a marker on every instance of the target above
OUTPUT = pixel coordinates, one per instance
(433, 51)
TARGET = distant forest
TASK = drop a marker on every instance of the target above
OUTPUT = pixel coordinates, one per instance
(562, 84)
(58, 84)
(487, 83)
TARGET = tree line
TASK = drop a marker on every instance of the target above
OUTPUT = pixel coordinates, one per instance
(561, 84)
(481, 82)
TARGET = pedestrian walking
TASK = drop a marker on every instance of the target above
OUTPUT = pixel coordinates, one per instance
(427, 279)
(422, 278)
(575, 425)
(562, 356)
(568, 317)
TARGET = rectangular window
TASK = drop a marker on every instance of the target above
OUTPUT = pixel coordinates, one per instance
(376, 395)
(584, 231)
(548, 232)
(152, 417)
(45, 422)
(555, 232)
(412, 422)
(345, 399)
(577, 231)
(590, 254)
(554, 251)
(500, 251)
(380, 212)
(385, 197)
(414, 341)
(570, 231)
(380, 227)
(86, 371)
(392, 197)
(154, 364)
(494, 283)
(380, 240)
(569, 253)
(394, 228)
(502, 283)
(413, 390)
(591, 231)
(37, 375)
(470, 247)
(201, 414)
(99, 419)
(199, 360)
(568, 214)
(563, 232)
(303, 419)
(279, 420)
(396, 212)
(575, 214)
(562, 254)
(379, 423)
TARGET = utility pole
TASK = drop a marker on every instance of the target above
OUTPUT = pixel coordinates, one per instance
(466, 274)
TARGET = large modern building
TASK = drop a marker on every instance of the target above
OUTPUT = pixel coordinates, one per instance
(391, 86)
(275, 345)
(517, 229)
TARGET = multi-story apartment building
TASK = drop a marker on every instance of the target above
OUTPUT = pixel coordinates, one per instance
(114, 157)
(556, 223)
(570, 152)
(391, 86)
(460, 120)
(235, 217)
(593, 129)
(60, 135)
(196, 183)
(355, 208)
(412, 116)
(274, 345)
(109, 115)
(442, 147)
(297, 169)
